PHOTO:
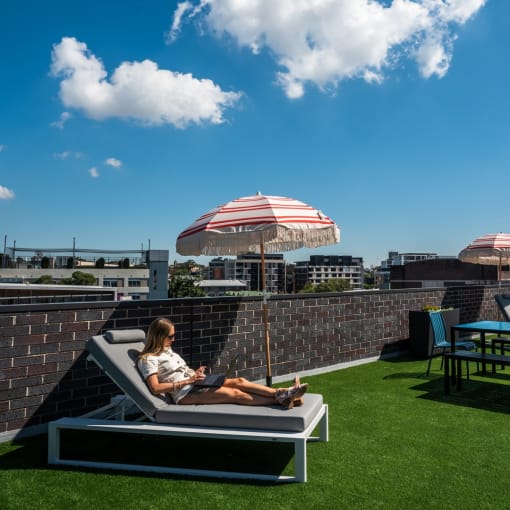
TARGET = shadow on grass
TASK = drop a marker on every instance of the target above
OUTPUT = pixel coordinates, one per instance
(193, 453)
(489, 392)
(401, 357)
(28, 453)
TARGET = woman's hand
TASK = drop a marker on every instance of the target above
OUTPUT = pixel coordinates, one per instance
(199, 374)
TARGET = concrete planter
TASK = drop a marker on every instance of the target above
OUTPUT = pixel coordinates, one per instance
(421, 335)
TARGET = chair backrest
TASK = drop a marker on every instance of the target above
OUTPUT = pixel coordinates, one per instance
(503, 301)
(118, 360)
(438, 327)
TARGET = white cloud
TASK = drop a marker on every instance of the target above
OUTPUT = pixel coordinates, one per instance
(6, 193)
(327, 41)
(180, 11)
(67, 155)
(116, 163)
(136, 90)
(64, 116)
(93, 172)
(433, 58)
(61, 155)
(3, 147)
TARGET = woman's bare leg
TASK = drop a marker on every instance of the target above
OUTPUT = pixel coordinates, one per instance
(249, 387)
(227, 395)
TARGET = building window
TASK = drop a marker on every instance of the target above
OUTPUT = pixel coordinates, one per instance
(132, 282)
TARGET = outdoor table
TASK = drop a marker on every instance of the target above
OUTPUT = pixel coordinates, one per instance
(481, 327)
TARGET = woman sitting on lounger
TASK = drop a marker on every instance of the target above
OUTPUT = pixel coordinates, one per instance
(166, 372)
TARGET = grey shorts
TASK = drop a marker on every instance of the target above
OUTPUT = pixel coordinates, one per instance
(200, 389)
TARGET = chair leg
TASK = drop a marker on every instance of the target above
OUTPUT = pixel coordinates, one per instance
(428, 368)
(442, 358)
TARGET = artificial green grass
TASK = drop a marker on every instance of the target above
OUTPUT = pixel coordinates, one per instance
(396, 441)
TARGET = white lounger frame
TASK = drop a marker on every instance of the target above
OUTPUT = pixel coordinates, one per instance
(299, 439)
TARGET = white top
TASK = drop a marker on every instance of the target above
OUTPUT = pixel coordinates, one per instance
(169, 367)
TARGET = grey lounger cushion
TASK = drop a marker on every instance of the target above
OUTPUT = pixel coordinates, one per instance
(118, 360)
(243, 417)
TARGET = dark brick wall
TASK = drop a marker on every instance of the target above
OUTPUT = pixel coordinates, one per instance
(44, 373)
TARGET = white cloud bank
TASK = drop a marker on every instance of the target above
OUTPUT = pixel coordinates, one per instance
(136, 90)
(6, 193)
(327, 41)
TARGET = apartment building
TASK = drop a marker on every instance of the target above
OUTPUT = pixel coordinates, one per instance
(399, 259)
(247, 268)
(383, 274)
(321, 268)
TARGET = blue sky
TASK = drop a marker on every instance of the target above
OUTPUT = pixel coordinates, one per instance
(122, 122)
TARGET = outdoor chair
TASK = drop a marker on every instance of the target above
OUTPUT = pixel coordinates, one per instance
(441, 343)
(116, 353)
(503, 302)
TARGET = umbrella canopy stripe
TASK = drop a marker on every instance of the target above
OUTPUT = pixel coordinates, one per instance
(226, 216)
(263, 220)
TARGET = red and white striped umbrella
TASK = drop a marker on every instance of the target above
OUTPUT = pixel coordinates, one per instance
(242, 225)
(258, 224)
(490, 249)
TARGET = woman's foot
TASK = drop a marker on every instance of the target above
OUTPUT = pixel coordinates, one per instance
(298, 402)
(287, 397)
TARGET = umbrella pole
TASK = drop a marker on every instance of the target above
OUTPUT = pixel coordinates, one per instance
(499, 270)
(265, 312)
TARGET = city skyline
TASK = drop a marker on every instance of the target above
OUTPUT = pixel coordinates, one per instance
(113, 255)
(122, 122)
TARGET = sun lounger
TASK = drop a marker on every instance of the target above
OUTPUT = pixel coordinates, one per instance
(116, 352)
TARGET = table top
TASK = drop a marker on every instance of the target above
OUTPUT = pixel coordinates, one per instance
(487, 326)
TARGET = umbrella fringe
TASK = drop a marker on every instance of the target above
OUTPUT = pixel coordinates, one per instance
(276, 238)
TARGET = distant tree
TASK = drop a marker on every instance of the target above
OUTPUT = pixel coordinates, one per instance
(308, 288)
(184, 286)
(45, 263)
(183, 278)
(70, 263)
(369, 280)
(334, 285)
(100, 263)
(190, 267)
(44, 278)
(331, 285)
(79, 278)
(125, 263)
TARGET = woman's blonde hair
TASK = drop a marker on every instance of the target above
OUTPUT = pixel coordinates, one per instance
(156, 335)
